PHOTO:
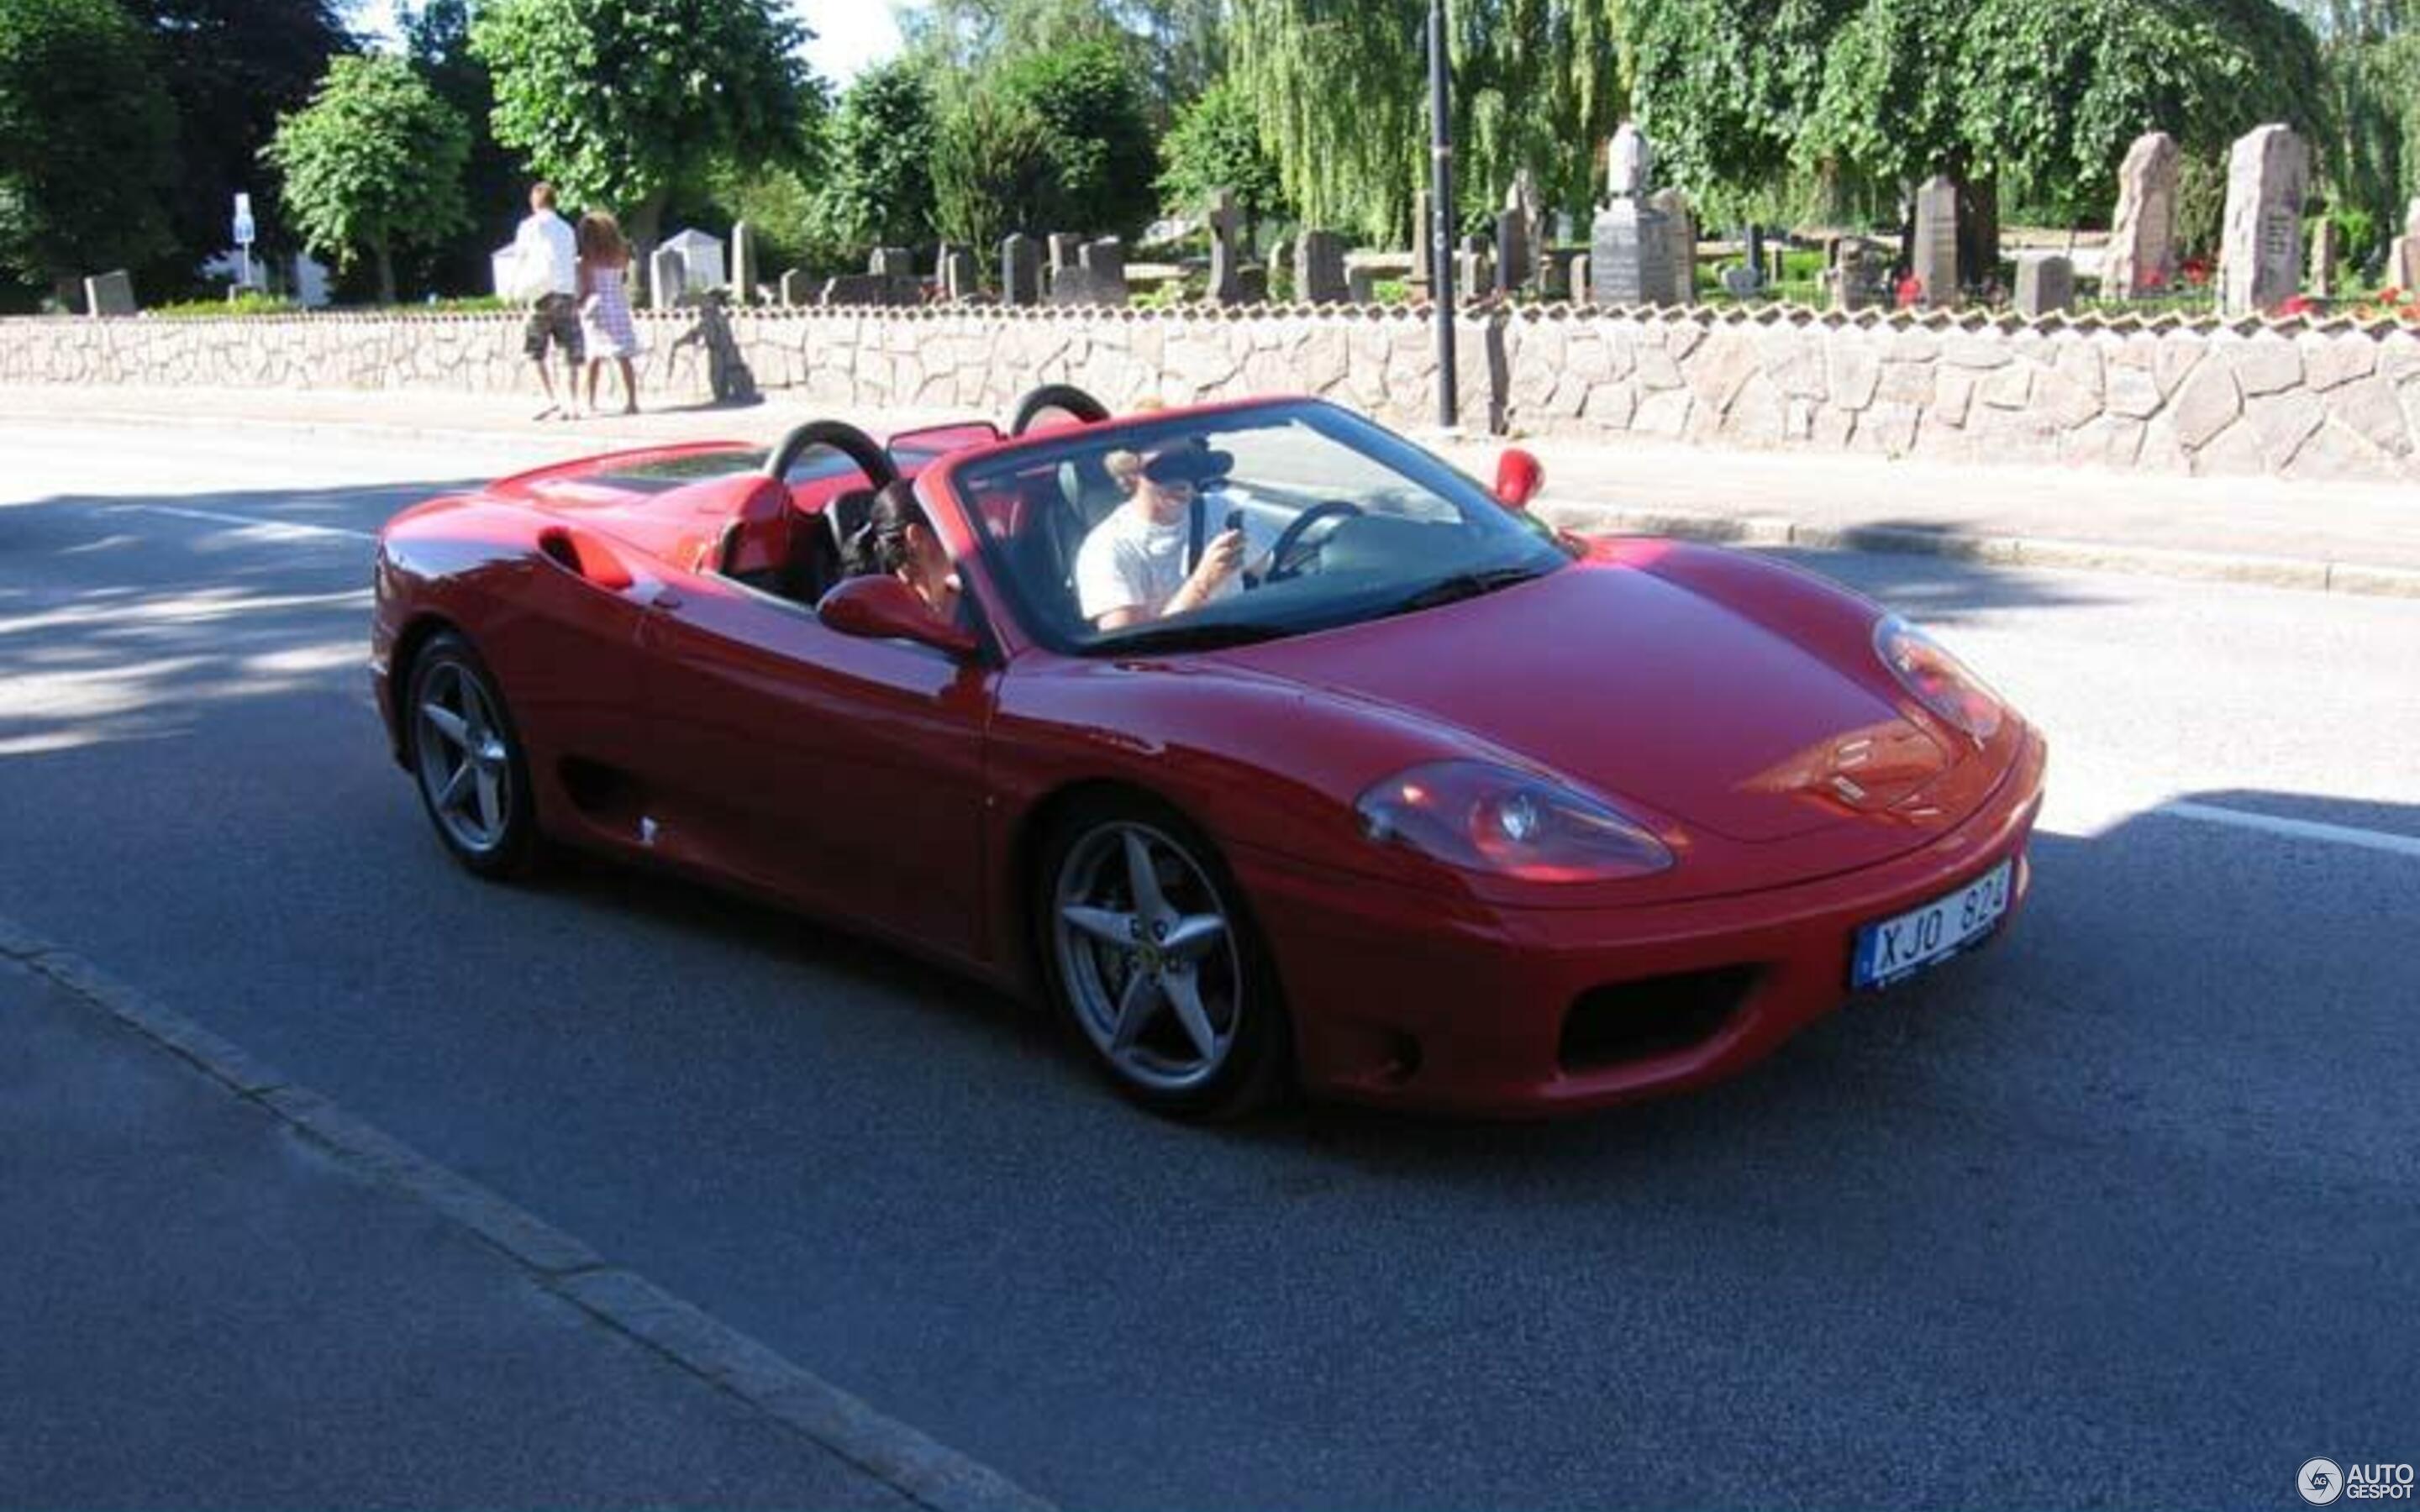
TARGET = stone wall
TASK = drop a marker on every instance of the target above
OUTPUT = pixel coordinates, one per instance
(2296, 398)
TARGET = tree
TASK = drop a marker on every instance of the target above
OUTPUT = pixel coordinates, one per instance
(877, 153)
(88, 141)
(1216, 144)
(1340, 91)
(993, 171)
(374, 161)
(437, 39)
(1102, 157)
(1176, 48)
(615, 101)
(233, 67)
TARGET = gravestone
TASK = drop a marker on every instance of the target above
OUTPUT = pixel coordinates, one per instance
(1565, 231)
(1105, 260)
(2260, 263)
(1554, 276)
(1225, 221)
(1278, 263)
(892, 263)
(1319, 269)
(2324, 257)
(1076, 285)
(2045, 285)
(959, 276)
(505, 274)
(1742, 282)
(109, 294)
(1252, 286)
(1523, 201)
(1859, 277)
(667, 278)
(743, 263)
(1936, 242)
(2142, 259)
(1629, 162)
(2403, 262)
(1423, 238)
(798, 288)
(1472, 273)
(701, 261)
(1630, 259)
(1577, 275)
(1067, 250)
(1680, 246)
(856, 288)
(1020, 270)
(1361, 285)
(1512, 251)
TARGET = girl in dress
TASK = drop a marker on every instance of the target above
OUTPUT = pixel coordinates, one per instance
(605, 305)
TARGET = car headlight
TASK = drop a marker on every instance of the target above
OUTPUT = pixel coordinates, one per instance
(1482, 817)
(1936, 679)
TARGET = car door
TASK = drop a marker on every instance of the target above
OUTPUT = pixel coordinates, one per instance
(844, 774)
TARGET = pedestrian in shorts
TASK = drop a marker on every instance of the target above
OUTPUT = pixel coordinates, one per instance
(545, 254)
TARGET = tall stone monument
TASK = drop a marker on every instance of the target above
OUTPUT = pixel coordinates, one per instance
(1680, 246)
(1512, 251)
(1319, 269)
(1020, 270)
(2143, 237)
(1629, 164)
(1936, 242)
(1524, 200)
(1225, 221)
(1630, 257)
(667, 278)
(2260, 256)
(744, 260)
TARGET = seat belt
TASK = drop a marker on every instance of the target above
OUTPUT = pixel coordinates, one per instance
(1197, 523)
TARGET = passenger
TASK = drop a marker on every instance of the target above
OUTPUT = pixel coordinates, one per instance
(902, 542)
(1132, 569)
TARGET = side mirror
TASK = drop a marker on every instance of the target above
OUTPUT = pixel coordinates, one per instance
(881, 607)
(1518, 478)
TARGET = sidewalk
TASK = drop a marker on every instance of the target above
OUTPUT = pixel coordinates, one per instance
(222, 1292)
(2343, 537)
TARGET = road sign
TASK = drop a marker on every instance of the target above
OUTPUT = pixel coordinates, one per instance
(244, 226)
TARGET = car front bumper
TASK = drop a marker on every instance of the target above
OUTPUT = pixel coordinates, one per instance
(1501, 1011)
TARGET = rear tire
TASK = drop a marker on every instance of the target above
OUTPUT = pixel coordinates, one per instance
(468, 761)
(1151, 959)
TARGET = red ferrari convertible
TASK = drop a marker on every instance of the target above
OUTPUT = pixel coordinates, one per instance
(1263, 746)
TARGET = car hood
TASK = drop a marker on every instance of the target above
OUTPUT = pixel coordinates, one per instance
(1639, 687)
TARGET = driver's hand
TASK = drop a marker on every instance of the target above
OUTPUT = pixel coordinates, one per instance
(1222, 560)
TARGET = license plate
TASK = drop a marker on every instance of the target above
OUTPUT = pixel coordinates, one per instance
(1893, 950)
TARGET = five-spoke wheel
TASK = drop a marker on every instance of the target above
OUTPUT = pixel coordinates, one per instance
(1154, 964)
(468, 758)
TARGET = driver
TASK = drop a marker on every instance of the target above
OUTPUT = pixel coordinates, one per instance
(1132, 567)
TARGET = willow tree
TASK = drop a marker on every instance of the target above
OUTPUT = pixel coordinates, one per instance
(1340, 90)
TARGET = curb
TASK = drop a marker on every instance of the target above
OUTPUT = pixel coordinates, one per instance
(537, 433)
(926, 1473)
(2000, 550)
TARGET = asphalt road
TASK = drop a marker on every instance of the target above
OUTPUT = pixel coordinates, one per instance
(2121, 1212)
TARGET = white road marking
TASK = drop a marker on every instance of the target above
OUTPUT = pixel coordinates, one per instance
(272, 528)
(2368, 839)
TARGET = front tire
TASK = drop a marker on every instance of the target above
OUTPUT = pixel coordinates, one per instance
(1152, 960)
(468, 761)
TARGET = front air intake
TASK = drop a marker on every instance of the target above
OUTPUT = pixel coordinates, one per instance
(1657, 1016)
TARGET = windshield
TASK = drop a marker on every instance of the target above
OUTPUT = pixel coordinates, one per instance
(1240, 526)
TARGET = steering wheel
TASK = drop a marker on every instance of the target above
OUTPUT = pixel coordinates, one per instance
(1291, 540)
(840, 437)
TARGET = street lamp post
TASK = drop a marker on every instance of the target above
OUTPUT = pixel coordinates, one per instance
(1441, 212)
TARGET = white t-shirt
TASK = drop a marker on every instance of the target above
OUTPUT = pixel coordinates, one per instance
(547, 254)
(1129, 562)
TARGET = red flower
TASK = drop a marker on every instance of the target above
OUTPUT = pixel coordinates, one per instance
(2299, 304)
(2197, 272)
(1910, 292)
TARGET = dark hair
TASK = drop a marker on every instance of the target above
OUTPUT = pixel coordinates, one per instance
(884, 543)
